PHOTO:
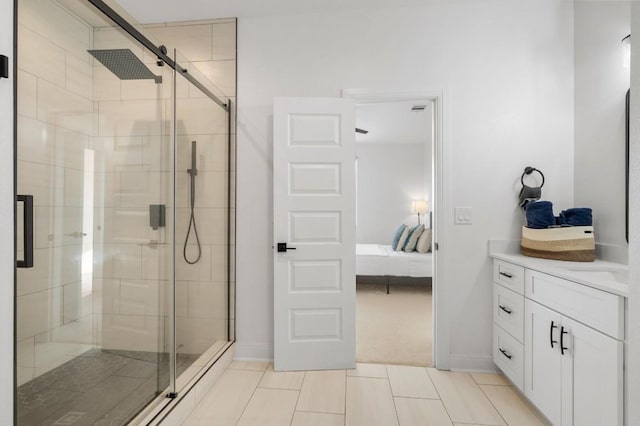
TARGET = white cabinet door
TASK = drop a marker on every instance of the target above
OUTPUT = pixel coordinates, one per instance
(543, 362)
(592, 377)
(314, 212)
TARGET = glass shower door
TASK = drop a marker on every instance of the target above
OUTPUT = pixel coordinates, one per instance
(202, 222)
(94, 157)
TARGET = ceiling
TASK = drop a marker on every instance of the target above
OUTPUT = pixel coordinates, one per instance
(393, 122)
(154, 11)
(148, 11)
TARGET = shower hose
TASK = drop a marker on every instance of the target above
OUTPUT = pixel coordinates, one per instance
(192, 221)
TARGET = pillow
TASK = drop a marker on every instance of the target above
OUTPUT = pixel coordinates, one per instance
(414, 234)
(397, 235)
(403, 239)
(424, 242)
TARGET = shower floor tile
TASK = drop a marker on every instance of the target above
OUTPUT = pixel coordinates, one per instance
(105, 387)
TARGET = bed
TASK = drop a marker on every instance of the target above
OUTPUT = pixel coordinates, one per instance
(381, 260)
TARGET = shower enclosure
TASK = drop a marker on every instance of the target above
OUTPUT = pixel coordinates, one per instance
(124, 289)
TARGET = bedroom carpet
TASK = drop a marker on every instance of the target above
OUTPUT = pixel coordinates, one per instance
(394, 328)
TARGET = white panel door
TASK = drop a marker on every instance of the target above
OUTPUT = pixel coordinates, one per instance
(592, 377)
(314, 214)
(542, 360)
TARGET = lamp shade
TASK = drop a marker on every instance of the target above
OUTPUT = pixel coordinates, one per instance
(420, 207)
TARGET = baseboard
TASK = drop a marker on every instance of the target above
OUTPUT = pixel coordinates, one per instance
(253, 351)
(472, 364)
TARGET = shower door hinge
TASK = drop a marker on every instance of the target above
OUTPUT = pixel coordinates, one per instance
(172, 395)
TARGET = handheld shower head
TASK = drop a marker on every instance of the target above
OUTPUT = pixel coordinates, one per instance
(193, 171)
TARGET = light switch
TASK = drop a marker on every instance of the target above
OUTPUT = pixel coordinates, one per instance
(463, 216)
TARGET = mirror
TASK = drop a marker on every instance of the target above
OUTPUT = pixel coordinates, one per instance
(602, 79)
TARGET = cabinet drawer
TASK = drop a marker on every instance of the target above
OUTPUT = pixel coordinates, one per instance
(509, 275)
(508, 356)
(508, 311)
(596, 308)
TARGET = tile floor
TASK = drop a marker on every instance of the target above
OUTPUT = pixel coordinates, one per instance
(251, 393)
(99, 387)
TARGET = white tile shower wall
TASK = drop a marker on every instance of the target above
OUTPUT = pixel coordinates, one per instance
(131, 143)
(72, 105)
(55, 124)
(129, 306)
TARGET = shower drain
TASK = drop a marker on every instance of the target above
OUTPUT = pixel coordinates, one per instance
(70, 418)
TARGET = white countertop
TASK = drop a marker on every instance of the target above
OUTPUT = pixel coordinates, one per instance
(603, 275)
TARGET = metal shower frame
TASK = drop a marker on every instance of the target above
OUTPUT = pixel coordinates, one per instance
(156, 50)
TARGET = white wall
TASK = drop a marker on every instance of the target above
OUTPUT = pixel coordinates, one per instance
(6, 218)
(506, 72)
(633, 353)
(390, 177)
(601, 83)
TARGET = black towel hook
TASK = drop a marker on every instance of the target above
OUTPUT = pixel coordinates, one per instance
(527, 171)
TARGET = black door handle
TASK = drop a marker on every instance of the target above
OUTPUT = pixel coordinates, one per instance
(551, 334)
(505, 353)
(509, 311)
(504, 274)
(27, 231)
(562, 347)
(282, 248)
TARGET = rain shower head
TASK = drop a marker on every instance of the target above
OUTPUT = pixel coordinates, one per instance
(124, 64)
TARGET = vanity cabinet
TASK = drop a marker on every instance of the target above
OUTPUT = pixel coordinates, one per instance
(572, 349)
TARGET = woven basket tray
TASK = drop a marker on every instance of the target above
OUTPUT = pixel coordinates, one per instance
(575, 243)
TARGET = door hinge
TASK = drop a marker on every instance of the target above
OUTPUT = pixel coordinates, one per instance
(435, 246)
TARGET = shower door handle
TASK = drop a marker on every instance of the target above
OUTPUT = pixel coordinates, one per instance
(27, 231)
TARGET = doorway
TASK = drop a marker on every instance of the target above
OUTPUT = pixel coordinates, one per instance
(394, 260)
(314, 145)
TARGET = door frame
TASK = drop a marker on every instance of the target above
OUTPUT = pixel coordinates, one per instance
(440, 157)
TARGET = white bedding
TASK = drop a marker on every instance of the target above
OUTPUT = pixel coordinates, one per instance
(380, 260)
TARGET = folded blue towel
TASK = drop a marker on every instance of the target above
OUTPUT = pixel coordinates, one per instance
(540, 215)
(579, 216)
